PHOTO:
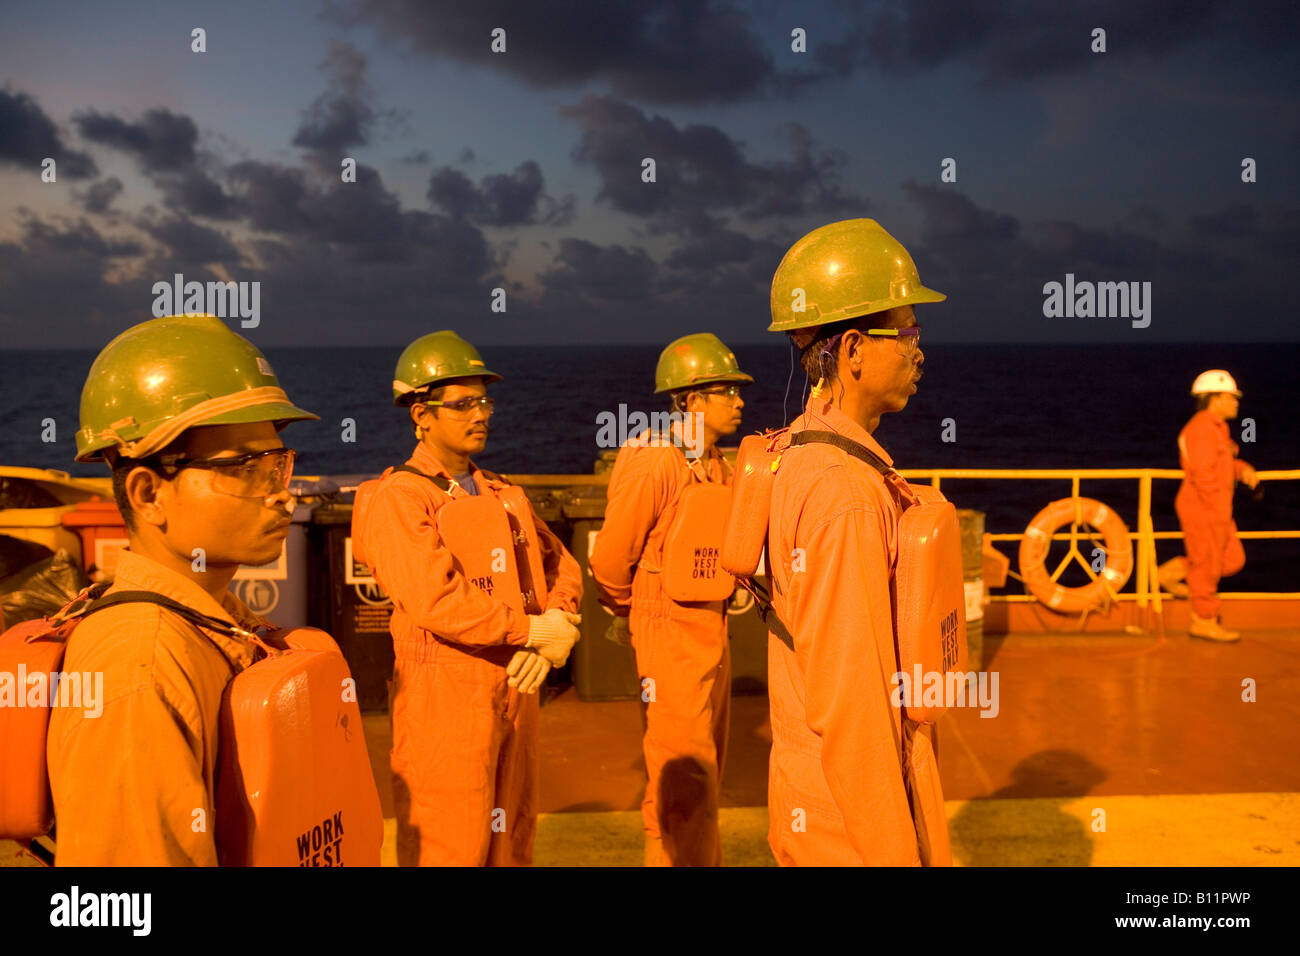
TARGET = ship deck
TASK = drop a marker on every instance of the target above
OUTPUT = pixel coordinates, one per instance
(1152, 731)
(1147, 736)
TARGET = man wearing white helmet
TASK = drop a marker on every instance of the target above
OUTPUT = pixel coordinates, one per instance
(1211, 468)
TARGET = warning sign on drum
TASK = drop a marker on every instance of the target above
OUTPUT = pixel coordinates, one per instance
(277, 570)
(373, 608)
(260, 596)
(371, 620)
(354, 572)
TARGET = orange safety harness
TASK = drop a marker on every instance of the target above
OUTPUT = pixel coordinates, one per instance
(929, 604)
(492, 541)
(693, 544)
(293, 766)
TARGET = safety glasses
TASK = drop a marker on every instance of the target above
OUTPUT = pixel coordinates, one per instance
(908, 340)
(255, 475)
(728, 393)
(462, 407)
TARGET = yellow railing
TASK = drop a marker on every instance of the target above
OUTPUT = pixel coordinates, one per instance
(1146, 585)
(1146, 592)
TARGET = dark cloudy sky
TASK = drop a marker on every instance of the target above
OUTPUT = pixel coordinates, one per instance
(522, 169)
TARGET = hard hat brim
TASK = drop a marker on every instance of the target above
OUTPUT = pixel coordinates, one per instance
(739, 377)
(920, 296)
(404, 398)
(274, 412)
(282, 413)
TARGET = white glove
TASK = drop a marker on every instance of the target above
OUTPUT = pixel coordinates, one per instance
(618, 632)
(527, 670)
(553, 634)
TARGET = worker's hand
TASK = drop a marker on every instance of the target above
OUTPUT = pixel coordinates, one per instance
(553, 634)
(527, 671)
(618, 632)
(1248, 476)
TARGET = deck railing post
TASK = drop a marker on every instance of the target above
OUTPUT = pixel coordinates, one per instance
(1146, 547)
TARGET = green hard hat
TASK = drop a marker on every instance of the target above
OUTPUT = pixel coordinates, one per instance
(160, 377)
(434, 357)
(697, 359)
(842, 271)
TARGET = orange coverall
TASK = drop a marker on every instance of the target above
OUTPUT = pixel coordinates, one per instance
(127, 784)
(464, 741)
(850, 781)
(1211, 468)
(682, 648)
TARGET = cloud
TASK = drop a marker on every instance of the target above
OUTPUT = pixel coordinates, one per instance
(1119, 249)
(383, 290)
(1273, 231)
(361, 230)
(165, 144)
(500, 199)
(198, 194)
(700, 167)
(658, 51)
(28, 136)
(614, 292)
(162, 141)
(606, 273)
(993, 266)
(950, 216)
(98, 197)
(328, 254)
(706, 244)
(692, 52)
(56, 286)
(342, 116)
(56, 239)
(316, 204)
(1014, 41)
(190, 244)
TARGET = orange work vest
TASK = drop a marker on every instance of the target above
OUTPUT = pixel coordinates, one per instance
(692, 569)
(492, 540)
(294, 783)
(929, 597)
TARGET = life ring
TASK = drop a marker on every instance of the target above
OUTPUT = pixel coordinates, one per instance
(1038, 539)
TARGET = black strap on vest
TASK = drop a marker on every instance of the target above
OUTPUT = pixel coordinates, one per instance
(197, 618)
(855, 449)
(763, 604)
(438, 480)
(443, 483)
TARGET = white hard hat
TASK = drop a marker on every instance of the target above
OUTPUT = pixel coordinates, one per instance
(1215, 380)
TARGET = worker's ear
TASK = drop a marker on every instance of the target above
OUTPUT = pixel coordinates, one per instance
(422, 415)
(851, 347)
(144, 488)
